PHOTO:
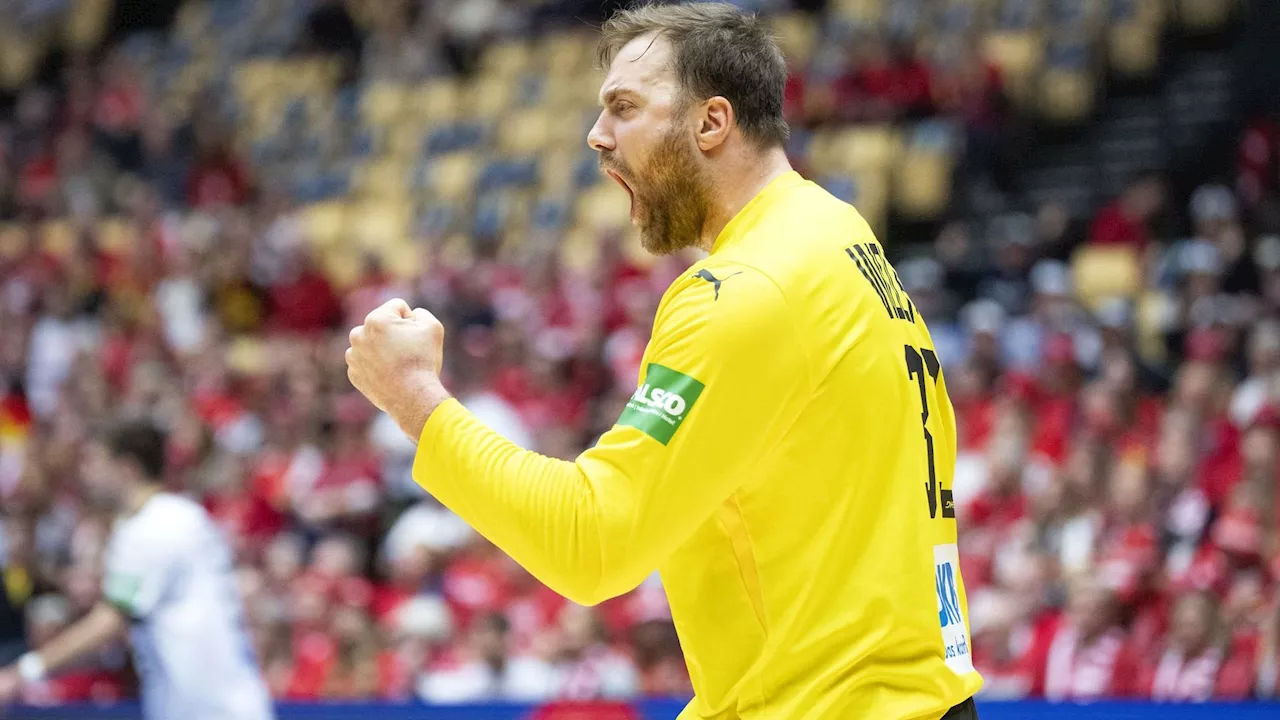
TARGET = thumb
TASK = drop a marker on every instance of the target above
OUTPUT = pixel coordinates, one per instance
(422, 315)
(396, 309)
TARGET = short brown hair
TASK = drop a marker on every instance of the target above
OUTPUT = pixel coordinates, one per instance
(719, 50)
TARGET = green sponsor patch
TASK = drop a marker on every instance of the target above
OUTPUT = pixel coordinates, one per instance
(122, 591)
(658, 406)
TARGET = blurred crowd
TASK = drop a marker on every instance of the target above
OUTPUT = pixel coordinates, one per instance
(1116, 485)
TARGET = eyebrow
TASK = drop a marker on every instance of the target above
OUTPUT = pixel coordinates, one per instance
(614, 93)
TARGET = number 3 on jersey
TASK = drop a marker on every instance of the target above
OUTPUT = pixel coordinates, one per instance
(920, 362)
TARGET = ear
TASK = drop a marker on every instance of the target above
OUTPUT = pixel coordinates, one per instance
(714, 123)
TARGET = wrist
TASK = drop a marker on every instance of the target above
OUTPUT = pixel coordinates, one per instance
(413, 408)
(31, 668)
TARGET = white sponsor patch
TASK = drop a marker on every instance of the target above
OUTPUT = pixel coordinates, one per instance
(955, 632)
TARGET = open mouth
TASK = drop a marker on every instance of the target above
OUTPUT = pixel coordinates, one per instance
(630, 193)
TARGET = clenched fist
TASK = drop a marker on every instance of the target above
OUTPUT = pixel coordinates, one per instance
(394, 361)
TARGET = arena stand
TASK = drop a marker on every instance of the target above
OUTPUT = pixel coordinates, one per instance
(192, 215)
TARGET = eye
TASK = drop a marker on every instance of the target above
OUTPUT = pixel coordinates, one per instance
(623, 106)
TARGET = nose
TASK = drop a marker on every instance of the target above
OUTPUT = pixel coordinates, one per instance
(600, 138)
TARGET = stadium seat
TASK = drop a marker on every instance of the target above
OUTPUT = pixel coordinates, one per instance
(1066, 96)
(797, 35)
(1152, 312)
(489, 97)
(324, 222)
(867, 147)
(871, 196)
(1105, 272)
(526, 131)
(451, 177)
(1019, 55)
(860, 13)
(438, 100)
(342, 263)
(922, 183)
(403, 260)
(507, 59)
(18, 57)
(86, 24)
(1204, 16)
(382, 103)
(580, 251)
(388, 178)
(1133, 48)
(604, 207)
(116, 235)
(12, 241)
(404, 139)
(57, 237)
(556, 170)
(378, 223)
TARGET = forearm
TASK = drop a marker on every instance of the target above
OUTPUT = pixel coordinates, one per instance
(542, 512)
(92, 632)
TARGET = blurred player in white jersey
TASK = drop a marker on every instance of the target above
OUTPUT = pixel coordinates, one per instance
(169, 576)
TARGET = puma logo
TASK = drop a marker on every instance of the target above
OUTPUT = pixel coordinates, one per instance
(715, 281)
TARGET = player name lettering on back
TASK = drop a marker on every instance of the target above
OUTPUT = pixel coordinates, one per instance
(884, 280)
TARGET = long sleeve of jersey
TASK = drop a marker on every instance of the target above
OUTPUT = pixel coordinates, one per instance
(723, 378)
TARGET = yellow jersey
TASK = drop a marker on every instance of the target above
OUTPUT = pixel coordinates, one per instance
(785, 463)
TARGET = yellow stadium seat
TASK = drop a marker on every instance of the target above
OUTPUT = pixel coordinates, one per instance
(1066, 96)
(860, 12)
(18, 56)
(1202, 16)
(580, 251)
(452, 177)
(254, 79)
(604, 207)
(86, 23)
(1134, 49)
(57, 237)
(489, 97)
(1152, 12)
(796, 34)
(404, 260)
(438, 100)
(1105, 272)
(555, 171)
(384, 179)
(567, 53)
(922, 184)
(116, 235)
(1152, 309)
(379, 223)
(507, 59)
(864, 147)
(383, 103)
(1019, 55)
(343, 264)
(404, 141)
(325, 222)
(527, 131)
(13, 241)
(457, 253)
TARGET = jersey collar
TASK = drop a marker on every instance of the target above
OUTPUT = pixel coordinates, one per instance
(745, 217)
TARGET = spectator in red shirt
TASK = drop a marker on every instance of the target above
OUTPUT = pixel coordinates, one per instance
(1124, 222)
(1086, 655)
(1186, 670)
(303, 302)
(218, 178)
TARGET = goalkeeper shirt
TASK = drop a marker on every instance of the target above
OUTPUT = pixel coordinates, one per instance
(785, 462)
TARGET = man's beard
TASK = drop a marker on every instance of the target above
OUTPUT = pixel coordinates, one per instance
(672, 201)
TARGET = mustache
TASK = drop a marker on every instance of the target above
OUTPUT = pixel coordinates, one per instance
(609, 162)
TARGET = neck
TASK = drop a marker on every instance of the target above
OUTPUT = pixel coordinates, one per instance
(138, 496)
(737, 182)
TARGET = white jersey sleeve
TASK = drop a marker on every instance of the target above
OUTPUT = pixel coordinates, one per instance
(138, 569)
